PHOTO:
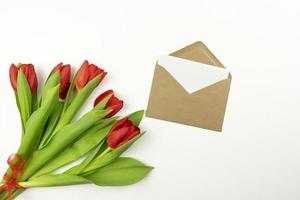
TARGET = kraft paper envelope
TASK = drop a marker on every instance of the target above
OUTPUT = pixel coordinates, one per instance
(191, 87)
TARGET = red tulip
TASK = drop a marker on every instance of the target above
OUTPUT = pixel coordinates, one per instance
(113, 103)
(29, 72)
(122, 132)
(65, 78)
(86, 73)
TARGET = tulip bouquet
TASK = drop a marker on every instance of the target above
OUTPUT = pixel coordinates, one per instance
(51, 138)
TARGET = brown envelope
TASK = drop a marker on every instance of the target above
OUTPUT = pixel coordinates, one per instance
(204, 108)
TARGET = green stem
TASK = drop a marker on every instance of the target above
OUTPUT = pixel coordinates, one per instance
(15, 193)
(104, 152)
(54, 180)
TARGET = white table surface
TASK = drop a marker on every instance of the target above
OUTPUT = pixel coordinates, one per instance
(257, 157)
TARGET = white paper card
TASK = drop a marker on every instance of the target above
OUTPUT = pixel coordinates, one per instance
(192, 75)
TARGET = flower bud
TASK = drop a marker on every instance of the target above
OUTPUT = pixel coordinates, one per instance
(122, 132)
(29, 73)
(86, 73)
(113, 103)
(65, 78)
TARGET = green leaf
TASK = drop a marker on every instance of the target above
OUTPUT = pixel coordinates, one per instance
(83, 145)
(101, 105)
(76, 104)
(123, 171)
(36, 123)
(52, 81)
(53, 119)
(70, 94)
(24, 97)
(23, 127)
(54, 180)
(60, 141)
(136, 117)
(34, 103)
(79, 168)
(107, 158)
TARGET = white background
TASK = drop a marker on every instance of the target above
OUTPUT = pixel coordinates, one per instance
(257, 157)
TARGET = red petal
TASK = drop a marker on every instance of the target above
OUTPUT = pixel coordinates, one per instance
(32, 79)
(92, 69)
(103, 75)
(134, 132)
(65, 78)
(102, 96)
(29, 72)
(116, 137)
(25, 69)
(13, 74)
(128, 123)
(95, 71)
(115, 104)
(115, 109)
(82, 76)
(57, 68)
(119, 124)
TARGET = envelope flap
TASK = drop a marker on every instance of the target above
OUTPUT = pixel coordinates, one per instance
(198, 52)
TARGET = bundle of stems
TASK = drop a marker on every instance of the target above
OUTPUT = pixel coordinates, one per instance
(52, 137)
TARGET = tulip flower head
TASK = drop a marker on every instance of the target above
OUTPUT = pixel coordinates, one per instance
(122, 132)
(113, 103)
(86, 73)
(29, 73)
(65, 78)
